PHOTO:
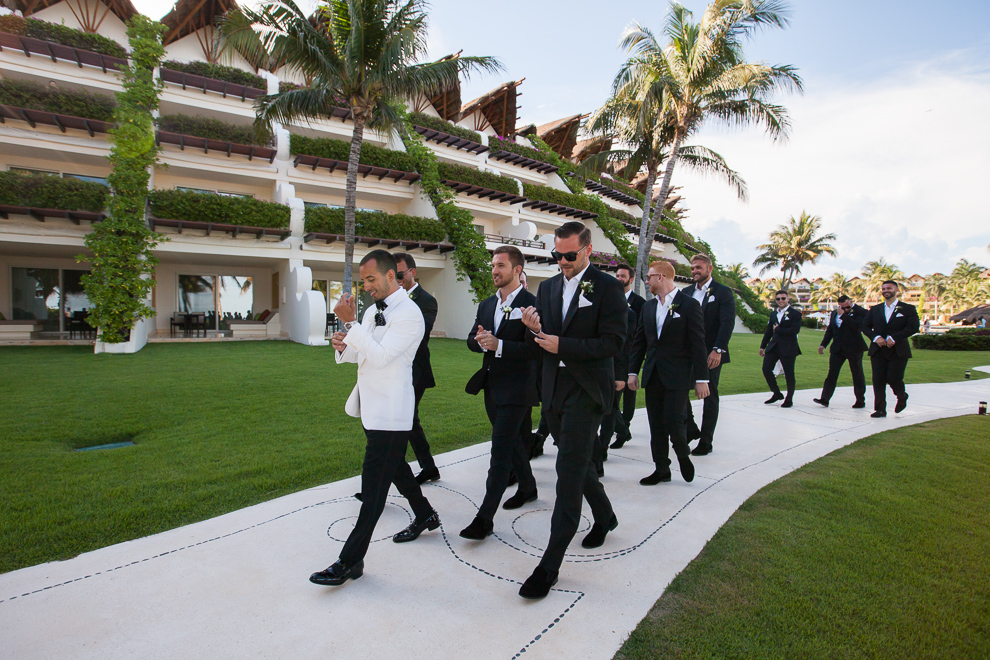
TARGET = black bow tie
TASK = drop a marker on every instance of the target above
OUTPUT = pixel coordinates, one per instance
(379, 315)
(381, 305)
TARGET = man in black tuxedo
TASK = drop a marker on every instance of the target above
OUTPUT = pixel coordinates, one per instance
(889, 325)
(718, 306)
(844, 331)
(780, 344)
(422, 369)
(508, 377)
(635, 301)
(670, 336)
(579, 322)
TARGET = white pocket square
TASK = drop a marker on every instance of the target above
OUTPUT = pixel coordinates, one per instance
(675, 315)
(515, 314)
(711, 298)
(583, 302)
(898, 316)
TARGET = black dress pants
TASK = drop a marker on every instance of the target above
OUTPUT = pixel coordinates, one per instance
(709, 415)
(835, 362)
(665, 410)
(770, 359)
(887, 371)
(573, 417)
(612, 423)
(384, 464)
(628, 405)
(417, 437)
(510, 452)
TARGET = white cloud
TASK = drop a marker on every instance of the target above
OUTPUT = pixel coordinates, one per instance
(896, 169)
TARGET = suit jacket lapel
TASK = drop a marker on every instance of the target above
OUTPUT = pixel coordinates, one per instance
(556, 302)
(515, 305)
(704, 298)
(575, 301)
(670, 312)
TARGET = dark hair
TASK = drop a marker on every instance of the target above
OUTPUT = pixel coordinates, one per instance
(625, 267)
(571, 228)
(703, 258)
(405, 258)
(842, 298)
(782, 291)
(515, 255)
(896, 285)
(383, 260)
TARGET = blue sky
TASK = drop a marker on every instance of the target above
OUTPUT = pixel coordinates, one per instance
(890, 144)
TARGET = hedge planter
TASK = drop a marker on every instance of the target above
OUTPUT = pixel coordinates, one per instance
(376, 224)
(953, 341)
(338, 150)
(51, 192)
(35, 29)
(220, 209)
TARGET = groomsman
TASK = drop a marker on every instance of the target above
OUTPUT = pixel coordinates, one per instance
(635, 301)
(383, 345)
(508, 377)
(670, 335)
(422, 369)
(780, 344)
(579, 322)
(719, 308)
(889, 325)
(843, 330)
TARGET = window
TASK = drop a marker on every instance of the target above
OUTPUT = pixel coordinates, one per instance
(51, 295)
(27, 170)
(90, 179)
(215, 192)
(222, 298)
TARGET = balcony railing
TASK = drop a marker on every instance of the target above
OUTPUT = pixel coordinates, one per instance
(518, 242)
(211, 85)
(35, 117)
(449, 140)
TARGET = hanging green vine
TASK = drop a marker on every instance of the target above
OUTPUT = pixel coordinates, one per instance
(123, 263)
(471, 258)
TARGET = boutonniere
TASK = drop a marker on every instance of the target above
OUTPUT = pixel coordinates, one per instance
(506, 310)
(412, 296)
(674, 307)
(587, 287)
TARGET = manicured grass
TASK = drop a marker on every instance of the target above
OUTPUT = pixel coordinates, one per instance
(221, 426)
(878, 550)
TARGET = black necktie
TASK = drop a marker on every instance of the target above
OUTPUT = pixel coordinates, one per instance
(379, 315)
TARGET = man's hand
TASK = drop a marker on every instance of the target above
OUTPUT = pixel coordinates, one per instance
(346, 308)
(338, 341)
(890, 342)
(881, 341)
(701, 390)
(761, 352)
(549, 343)
(821, 349)
(531, 319)
(714, 359)
(620, 385)
(633, 382)
(486, 340)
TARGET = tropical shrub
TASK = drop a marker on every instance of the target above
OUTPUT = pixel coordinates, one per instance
(340, 150)
(61, 34)
(376, 224)
(970, 341)
(498, 143)
(478, 178)
(554, 196)
(218, 72)
(444, 126)
(221, 209)
(49, 191)
(25, 94)
(212, 129)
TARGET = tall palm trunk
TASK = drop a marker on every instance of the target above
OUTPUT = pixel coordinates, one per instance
(668, 173)
(350, 202)
(643, 252)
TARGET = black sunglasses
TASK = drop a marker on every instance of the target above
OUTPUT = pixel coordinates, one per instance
(399, 274)
(565, 256)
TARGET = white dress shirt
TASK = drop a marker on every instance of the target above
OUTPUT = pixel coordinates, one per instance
(500, 316)
(570, 287)
(781, 314)
(663, 306)
(888, 313)
(702, 293)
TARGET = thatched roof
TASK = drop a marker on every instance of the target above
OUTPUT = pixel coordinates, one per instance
(497, 108)
(561, 135)
(90, 14)
(583, 149)
(188, 16)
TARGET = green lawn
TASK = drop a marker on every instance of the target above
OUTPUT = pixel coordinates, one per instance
(221, 426)
(878, 550)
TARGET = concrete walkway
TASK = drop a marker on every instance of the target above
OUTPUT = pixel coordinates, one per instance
(236, 586)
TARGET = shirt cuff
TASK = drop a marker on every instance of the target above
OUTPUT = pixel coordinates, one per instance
(877, 338)
(701, 381)
(890, 339)
(498, 351)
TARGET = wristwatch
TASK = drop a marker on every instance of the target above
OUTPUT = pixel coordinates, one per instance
(718, 350)
(349, 325)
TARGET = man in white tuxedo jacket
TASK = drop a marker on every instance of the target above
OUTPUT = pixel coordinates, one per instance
(383, 346)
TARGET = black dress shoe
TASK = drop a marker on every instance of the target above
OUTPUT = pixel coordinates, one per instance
(687, 468)
(701, 450)
(878, 413)
(519, 499)
(478, 529)
(655, 478)
(693, 433)
(416, 528)
(536, 448)
(538, 584)
(432, 474)
(596, 537)
(359, 497)
(821, 402)
(618, 443)
(774, 399)
(338, 573)
(787, 403)
(901, 404)
(859, 404)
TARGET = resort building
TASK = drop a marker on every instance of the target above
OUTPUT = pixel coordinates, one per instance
(254, 225)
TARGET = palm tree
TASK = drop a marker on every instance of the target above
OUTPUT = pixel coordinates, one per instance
(875, 273)
(637, 123)
(794, 244)
(832, 288)
(357, 54)
(738, 270)
(701, 75)
(934, 289)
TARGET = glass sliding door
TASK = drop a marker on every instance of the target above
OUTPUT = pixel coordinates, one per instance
(37, 294)
(220, 298)
(235, 300)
